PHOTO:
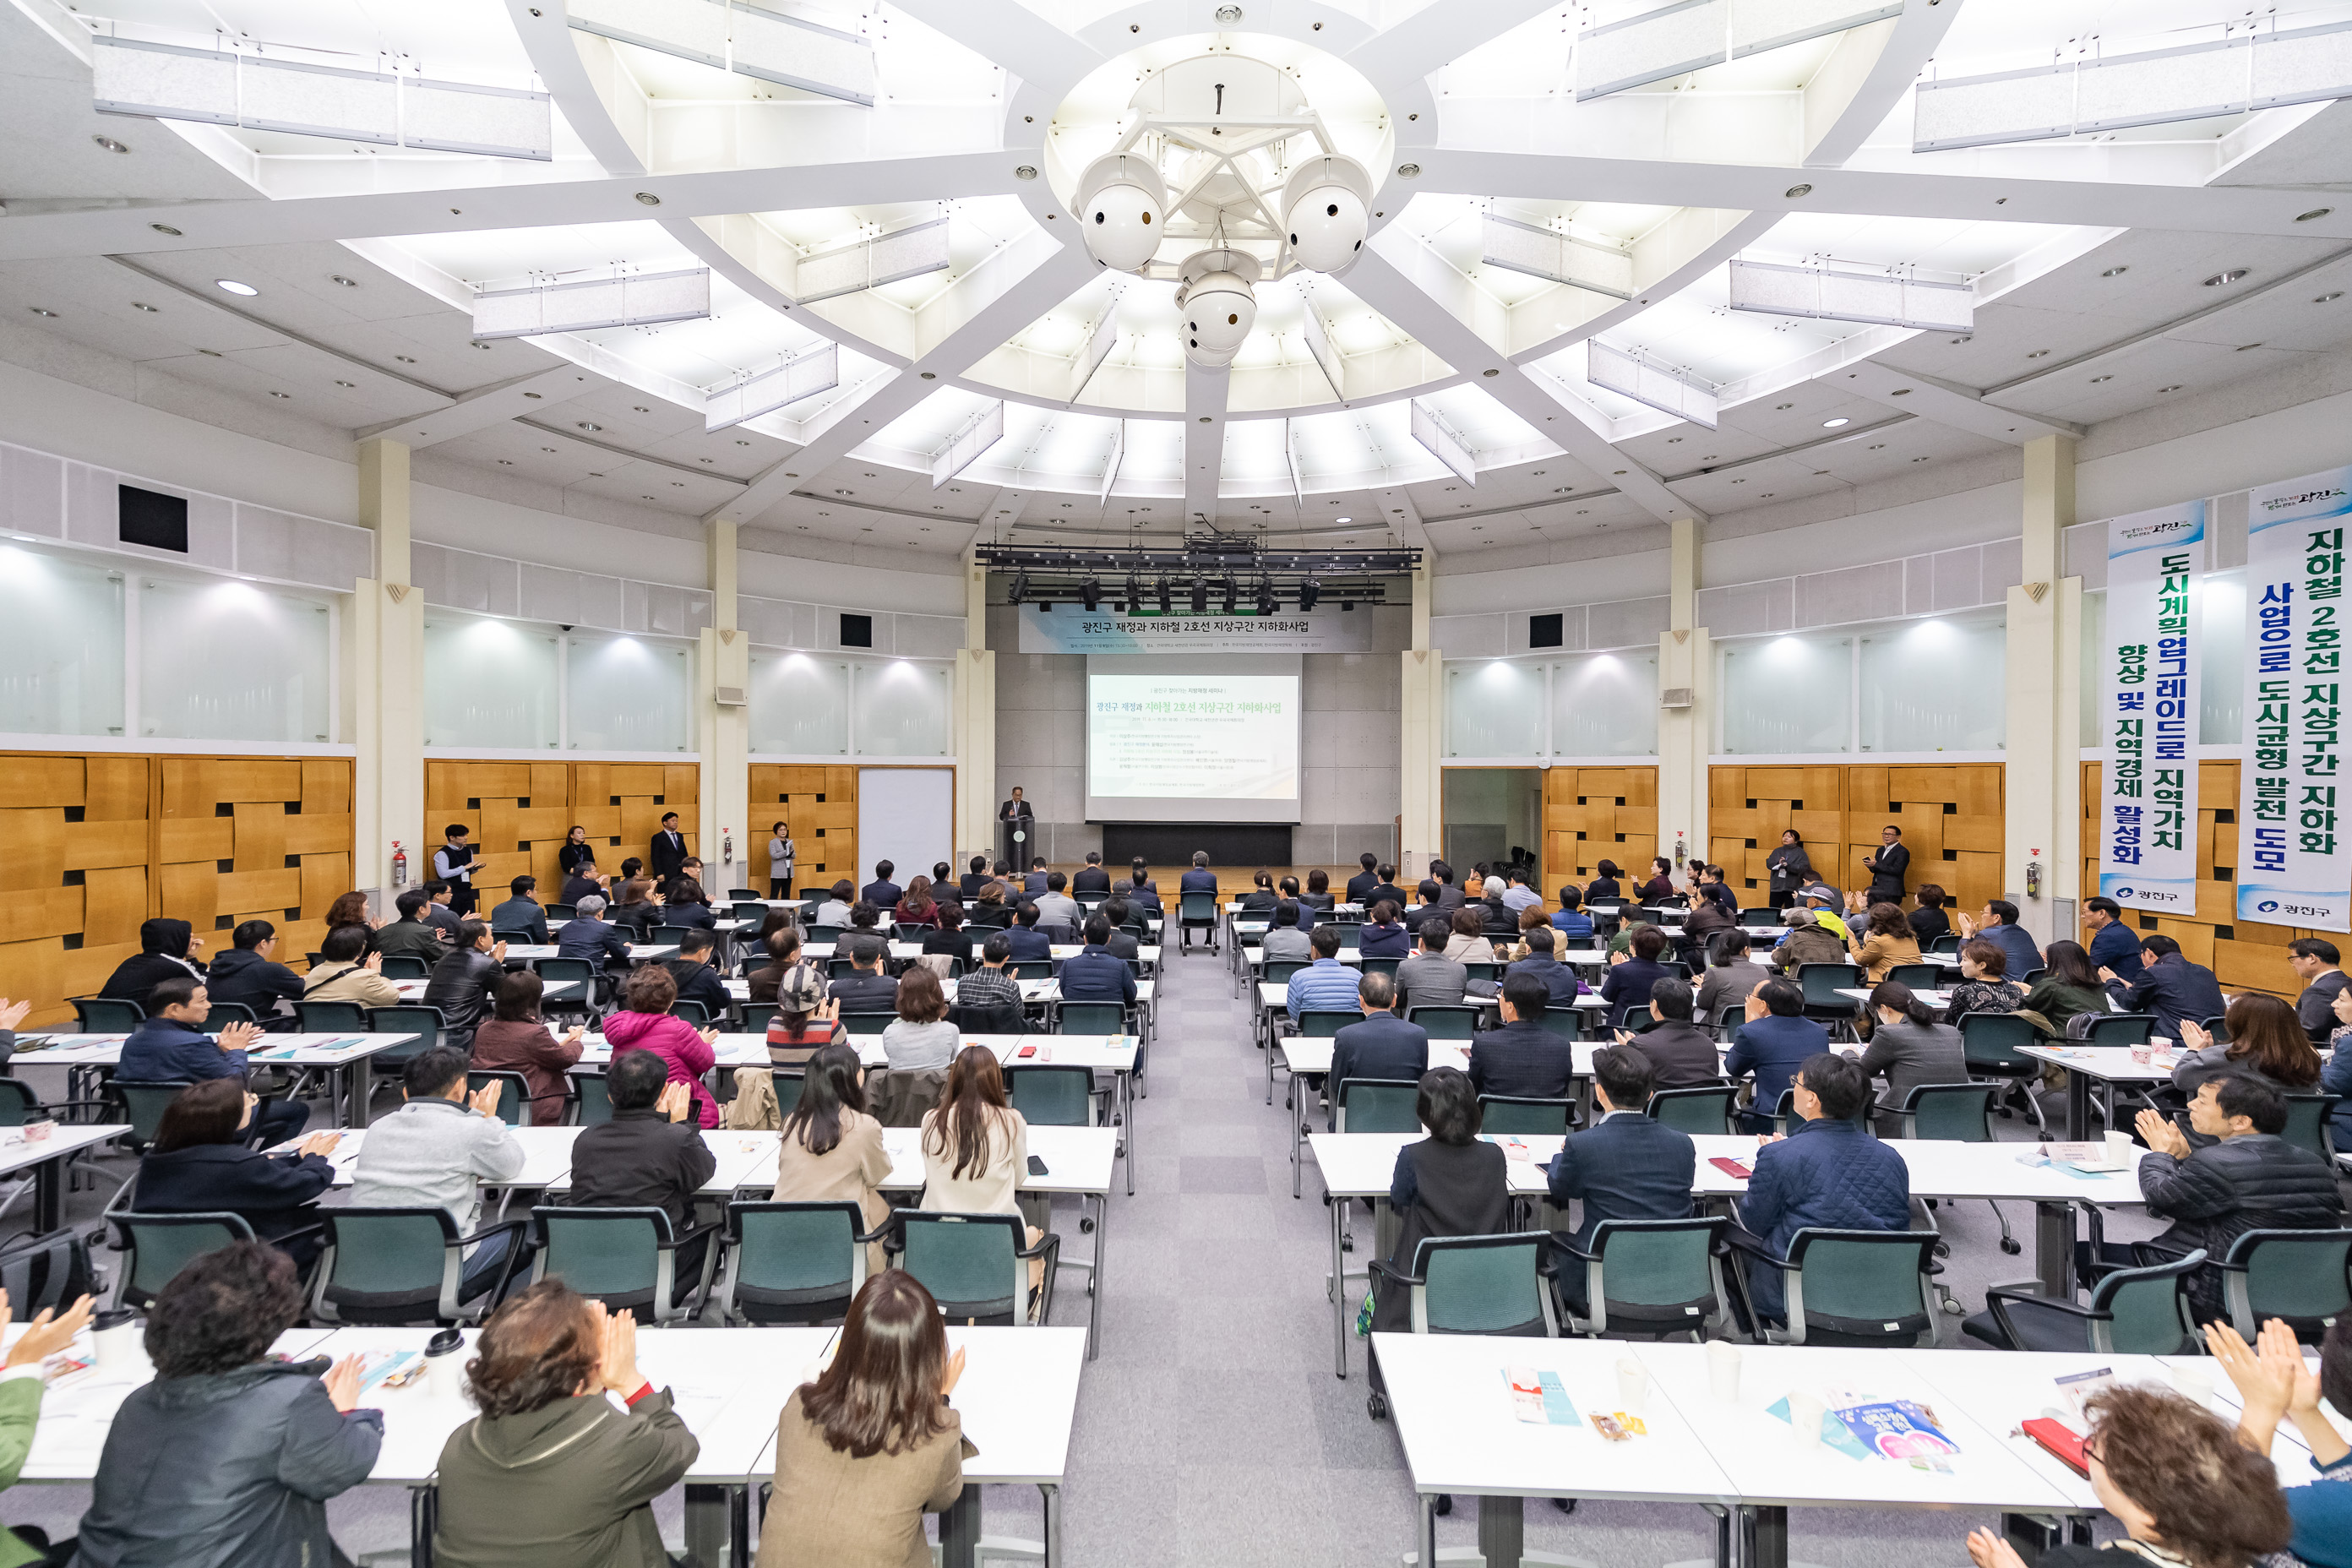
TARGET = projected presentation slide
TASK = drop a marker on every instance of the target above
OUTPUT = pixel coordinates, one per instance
(1191, 737)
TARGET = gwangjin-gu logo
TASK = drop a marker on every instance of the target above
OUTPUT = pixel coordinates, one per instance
(2306, 499)
(2268, 906)
(2151, 530)
(2122, 892)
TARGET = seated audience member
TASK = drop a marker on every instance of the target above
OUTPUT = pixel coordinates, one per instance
(352, 909)
(696, 980)
(550, 1475)
(1284, 942)
(166, 951)
(1517, 895)
(1466, 941)
(1384, 935)
(917, 907)
(1449, 1184)
(868, 987)
(1092, 973)
(437, 1149)
(2275, 1384)
(2070, 988)
(635, 909)
(2114, 944)
(949, 938)
(881, 892)
(1034, 882)
(1449, 894)
(2315, 962)
(520, 912)
(1604, 888)
(1575, 927)
(1885, 942)
(1199, 879)
(1429, 978)
(199, 1162)
(872, 1445)
(1382, 1046)
(634, 869)
(1774, 1041)
(1057, 911)
(805, 1020)
(2169, 986)
(1984, 986)
(839, 899)
(1138, 888)
(974, 879)
(170, 1046)
(229, 1454)
(2250, 1178)
(1558, 978)
(1706, 922)
(1360, 885)
(2185, 1489)
(1030, 946)
(865, 920)
(2336, 1072)
(649, 1156)
(921, 1036)
(1325, 985)
(1910, 1046)
(1522, 1059)
(688, 905)
(1997, 925)
(1660, 887)
(1808, 941)
(1317, 896)
(1123, 943)
(992, 986)
(1827, 1172)
(1091, 878)
(439, 911)
(1386, 889)
(991, 913)
(1626, 1165)
(644, 1023)
(1629, 980)
(1928, 922)
(1731, 976)
(582, 881)
(1682, 1054)
(248, 973)
(22, 1381)
(976, 1149)
(831, 1150)
(342, 975)
(466, 982)
(784, 950)
(2266, 1040)
(514, 1038)
(1718, 892)
(587, 934)
(1260, 898)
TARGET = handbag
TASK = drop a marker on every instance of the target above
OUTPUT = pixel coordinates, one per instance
(46, 1271)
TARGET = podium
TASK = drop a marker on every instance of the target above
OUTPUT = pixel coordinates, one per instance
(1017, 843)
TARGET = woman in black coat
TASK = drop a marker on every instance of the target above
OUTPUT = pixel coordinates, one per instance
(199, 1163)
(1790, 867)
(1449, 1184)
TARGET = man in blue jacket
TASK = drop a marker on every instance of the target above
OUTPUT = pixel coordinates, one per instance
(170, 1047)
(1776, 1040)
(1030, 946)
(1828, 1172)
(248, 973)
(2112, 945)
(589, 936)
(1626, 1166)
(1382, 1046)
(1199, 879)
(1559, 979)
(1094, 974)
(2169, 986)
(1522, 1059)
(1997, 925)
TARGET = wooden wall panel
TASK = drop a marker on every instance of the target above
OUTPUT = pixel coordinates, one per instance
(820, 806)
(1591, 815)
(1950, 815)
(241, 839)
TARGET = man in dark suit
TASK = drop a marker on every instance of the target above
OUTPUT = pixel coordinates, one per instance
(1199, 879)
(1449, 896)
(1886, 868)
(587, 934)
(439, 909)
(1681, 1055)
(669, 852)
(1360, 885)
(1016, 816)
(1384, 887)
(1036, 881)
(697, 981)
(583, 883)
(1626, 1166)
(1522, 1058)
(881, 892)
(1559, 979)
(1138, 888)
(1091, 877)
(865, 989)
(1029, 944)
(1382, 1046)
(974, 880)
(2169, 986)
(521, 911)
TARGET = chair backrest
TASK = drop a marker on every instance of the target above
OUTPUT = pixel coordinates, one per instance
(613, 1254)
(839, 968)
(18, 1103)
(514, 1093)
(330, 1017)
(792, 1263)
(1481, 1285)
(1676, 967)
(555, 971)
(1658, 1274)
(865, 1023)
(386, 1266)
(224, 1014)
(1379, 1105)
(1566, 1023)
(789, 1082)
(694, 1013)
(1822, 981)
(907, 930)
(2148, 1309)
(1917, 976)
(1050, 1096)
(2034, 977)
(514, 935)
(1947, 943)
(757, 1015)
(405, 966)
(1705, 1110)
(968, 1262)
(595, 1093)
(1513, 1113)
(1961, 1112)
(425, 1023)
(1861, 1287)
(1093, 1018)
(2120, 1029)
(2218, 1026)
(749, 907)
(1199, 908)
(143, 1105)
(1351, 932)
(2308, 1124)
(669, 935)
(2302, 1276)
(160, 1244)
(1476, 970)
(1320, 1023)
(1279, 970)
(1447, 1021)
(1386, 967)
(107, 1015)
(1992, 1040)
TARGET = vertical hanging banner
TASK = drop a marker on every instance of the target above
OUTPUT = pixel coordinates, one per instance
(2147, 857)
(2295, 864)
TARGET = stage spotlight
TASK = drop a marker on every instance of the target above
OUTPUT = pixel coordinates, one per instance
(1020, 587)
(1309, 592)
(1231, 591)
(1264, 597)
(1200, 596)
(1163, 587)
(1090, 594)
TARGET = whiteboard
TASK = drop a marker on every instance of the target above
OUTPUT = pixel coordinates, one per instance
(906, 817)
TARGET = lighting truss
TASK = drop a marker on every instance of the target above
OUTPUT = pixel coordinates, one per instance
(1208, 565)
(1633, 374)
(631, 299)
(803, 375)
(1826, 293)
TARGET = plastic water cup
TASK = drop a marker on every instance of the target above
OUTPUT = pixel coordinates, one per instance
(2121, 1147)
(1805, 1413)
(1723, 1371)
(1633, 1386)
(445, 1365)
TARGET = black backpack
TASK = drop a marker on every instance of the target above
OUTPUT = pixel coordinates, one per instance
(45, 1271)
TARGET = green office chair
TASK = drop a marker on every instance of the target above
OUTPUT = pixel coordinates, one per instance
(1322, 1023)
(1378, 1105)
(514, 1094)
(107, 1015)
(422, 1023)
(405, 966)
(144, 1104)
(863, 1025)
(223, 1014)
(2308, 1124)
(1821, 982)
(1525, 1117)
(1991, 1042)
(1054, 1096)
(2302, 1276)
(592, 1096)
(330, 1017)
(1197, 911)
(624, 1258)
(1917, 976)
(1956, 1113)
(1491, 1285)
(1648, 1278)
(1092, 1018)
(976, 1266)
(755, 1016)
(2120, 1029)
(2133, 1311)
(694, 1013)
(789, 1082)
(405, 1267)
(791, 1263)
(1703, 1111)
(1859, 1288)
(160, 1244)
(1279, 970)
(1443, 1021)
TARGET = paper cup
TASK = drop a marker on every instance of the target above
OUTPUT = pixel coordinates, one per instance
(445, 1365)
(39, 1132)
(114, 1337)
(2121, 1147)
(1805, 1413)
(1723, 1371)
(1633, 1386)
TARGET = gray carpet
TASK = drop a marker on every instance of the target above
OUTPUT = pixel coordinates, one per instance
(1211, 1431)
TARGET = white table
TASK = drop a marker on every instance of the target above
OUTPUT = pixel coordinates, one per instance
(346, 1059)
(413, 991)
(1862, 993)
(2109, 1065)
(639, 951)
(45, 1157)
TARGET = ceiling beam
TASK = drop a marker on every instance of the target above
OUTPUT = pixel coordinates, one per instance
(1947, 404)
(484, 406)
(1904, 51)
(545, 32)
(1205, 392)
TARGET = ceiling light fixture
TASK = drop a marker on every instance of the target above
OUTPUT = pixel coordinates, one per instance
(1090, 594)
(1309, 592)
(230, 285)
(647, 199)
(339, 281)
(2115, 271)
(2324, 299)
(2314, 212)
(41, 311)
(1840, 422)
(1795, 191)
(111, 145)
(1020, 590)
(142, 305)
(2218, 279)
(1200, 596)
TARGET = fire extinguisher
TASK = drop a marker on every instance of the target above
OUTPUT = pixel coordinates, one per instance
(399, 865)
(726, 845)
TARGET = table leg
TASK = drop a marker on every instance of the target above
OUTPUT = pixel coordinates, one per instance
(709, 1525)
(2078, 1105)
(960, 1532)
(48, 1195)
(2053, 1249)
(1426, 1532)
(362, 1088)
(1763, 1537)
(1297, 1161)
(1502, 1531)
(1094, 1280)
(424, 1519)
(1339, 1289)
(1126, 1082)
(1051, 1497)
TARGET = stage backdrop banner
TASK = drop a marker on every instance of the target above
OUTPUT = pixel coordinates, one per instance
(1066, 629)
(2294, 861)
(2148, 858)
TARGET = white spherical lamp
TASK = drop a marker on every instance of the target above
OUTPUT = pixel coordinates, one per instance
(1122, 211)
(1326, 206)
(1216, 303)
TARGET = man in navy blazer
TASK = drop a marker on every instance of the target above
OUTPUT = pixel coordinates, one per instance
(1559, 979)
(1522, 1059)
(1382, 1046)
(1772, 1044)
(1828, 1170)
(881, 892)
(1199, 879)
(1626, 1166)
(1029, 944)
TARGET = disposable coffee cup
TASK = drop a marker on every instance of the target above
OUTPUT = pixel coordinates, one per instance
(445, 1367)
(1633, 1386)
(2120, 1147)
(114, 1337)
(1723, 1371)
(1805, 1413)
(39, 1132)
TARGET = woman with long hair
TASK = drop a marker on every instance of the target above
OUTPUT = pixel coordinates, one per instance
(918, 906)
(575, 850)
(2070, 987)
(976, 1146)
(635, 909)
(1909, 1046)
(832, 1149)
(872, 1445)
(516, 1039)
(352, 909)
(2265, 1038)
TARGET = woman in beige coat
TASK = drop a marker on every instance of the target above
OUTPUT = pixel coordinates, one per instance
(832, 1149)
(870, 1447)
(976, 1147)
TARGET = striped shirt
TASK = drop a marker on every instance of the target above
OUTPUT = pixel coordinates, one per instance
(1325, 985)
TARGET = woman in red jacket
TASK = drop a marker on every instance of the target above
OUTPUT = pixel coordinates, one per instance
(644, 1023)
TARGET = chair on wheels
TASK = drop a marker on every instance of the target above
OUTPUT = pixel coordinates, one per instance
(160, 1244)
(1055, 1096)
(1378, 1105)
(1506, 1113)
(624, 1258)
(144, 1104)
(2302, 1276)
(1991, 1042)
(976, 1266)
(1917, 976)
(2133, 1311)
(405, 1267)
(1957, 1113)
(592, 1096)
(1648, 1278)
(1704, 1110)
(107, 1015)
(425, 1023)
(1865, 1288)
(514, 1093)
(1198, 911)
(331, 1018)
(791, 1263)
(1474, 1285)
(2121, 1029)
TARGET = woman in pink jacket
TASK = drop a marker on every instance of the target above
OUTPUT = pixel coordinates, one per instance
(645, 1024)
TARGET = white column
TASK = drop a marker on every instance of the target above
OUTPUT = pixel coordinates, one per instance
(2042, 782)
(385, 645)
(1684, 733)
(975, 723)
(723, 670)
(1421, 795)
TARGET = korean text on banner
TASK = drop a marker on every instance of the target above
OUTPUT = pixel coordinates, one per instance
(2294, 863)
(2148, 856)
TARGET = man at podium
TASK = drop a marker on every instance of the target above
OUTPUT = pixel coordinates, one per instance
(1017, 830)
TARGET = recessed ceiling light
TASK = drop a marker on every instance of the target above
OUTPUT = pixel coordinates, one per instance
(141, 305)
(39, 310)
(547, 448)
(585, 425)
(339, 281)
(1343, 520)
(2096, 379)
(2039, 353)
(2172, 388)
(243, 290)
(648, 199)
(641, 408)
(111, 145)
(164, 228)
(287, 396)
(2115, 271)
(2324, 299)
(1778, 406)
(1837, 424)
(2218, 279)
(349, 383)
(2314, 212)
(1796, 191)
(506, 462)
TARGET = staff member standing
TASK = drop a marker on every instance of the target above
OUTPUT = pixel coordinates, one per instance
(779, 863)
(453, 863)
(668, 851)
(1886, 868)
(1016, 816)
(1791, 869)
